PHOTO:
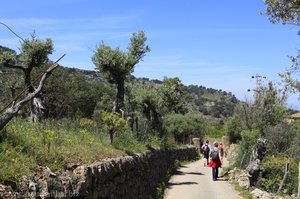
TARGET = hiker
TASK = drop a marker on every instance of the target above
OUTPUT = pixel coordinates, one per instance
(221, 148)
(215, 161)
(205, 151)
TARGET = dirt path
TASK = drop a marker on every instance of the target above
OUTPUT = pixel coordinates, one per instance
(195, 181)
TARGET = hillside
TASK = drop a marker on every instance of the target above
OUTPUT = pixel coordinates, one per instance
(209, 101)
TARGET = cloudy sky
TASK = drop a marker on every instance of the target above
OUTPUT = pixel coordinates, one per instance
(216, 44)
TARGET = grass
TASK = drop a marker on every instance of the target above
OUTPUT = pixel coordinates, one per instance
(162, 185)
(26, 146)
(243, 192)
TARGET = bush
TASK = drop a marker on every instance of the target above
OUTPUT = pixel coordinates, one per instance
(249, 139)
(233, 128)
(280, 138)
(215, 132)
(274, 169)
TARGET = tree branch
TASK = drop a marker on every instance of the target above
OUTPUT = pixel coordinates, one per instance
(12, 111)
(8, 65)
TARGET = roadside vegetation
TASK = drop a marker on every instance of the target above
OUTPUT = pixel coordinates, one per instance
(83, 116)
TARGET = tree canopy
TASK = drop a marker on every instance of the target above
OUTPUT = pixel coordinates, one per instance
(116, 64)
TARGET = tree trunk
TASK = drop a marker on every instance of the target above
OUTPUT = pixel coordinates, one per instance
(254, 168)
(120, 96)
(12, 111)
(36, 109)
(287, 163)
(111, 135)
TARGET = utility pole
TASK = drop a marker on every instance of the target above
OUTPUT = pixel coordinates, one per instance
(258, 83)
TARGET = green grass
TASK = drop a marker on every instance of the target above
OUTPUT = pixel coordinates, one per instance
(25, 146)
(162, 185)
(243, 192)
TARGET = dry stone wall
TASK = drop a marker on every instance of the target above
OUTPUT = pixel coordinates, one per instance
(126, 177)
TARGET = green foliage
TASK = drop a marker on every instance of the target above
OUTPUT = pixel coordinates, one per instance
(116, 65)
(274, 169)
(48, 137)
(173, 95)
(34, 52)
(113, 123)
(66, 95)
(128, 142)
(6, 56)
(209, 101)
(248, 141)
(182, 127)
(162, 185)
(294, 149)
(233, 128)
(150, 104)
(67, 140)
(215, 131)
(280, 138)
(14, 164)
(284, 11)
(269, 105)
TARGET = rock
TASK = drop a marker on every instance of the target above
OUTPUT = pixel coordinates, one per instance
(6, 192)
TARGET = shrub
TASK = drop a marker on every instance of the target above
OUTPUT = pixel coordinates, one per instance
(249, 139)
(233, 128)
(274, 169)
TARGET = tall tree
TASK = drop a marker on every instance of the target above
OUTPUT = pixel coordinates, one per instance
(34, 53)
(285, 11)
(116, 64)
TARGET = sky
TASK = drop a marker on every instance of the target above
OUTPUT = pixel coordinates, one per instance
(216, 44)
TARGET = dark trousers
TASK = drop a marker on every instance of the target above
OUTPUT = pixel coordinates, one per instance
(215, 173)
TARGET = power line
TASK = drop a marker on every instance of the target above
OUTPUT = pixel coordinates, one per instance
(12, 31)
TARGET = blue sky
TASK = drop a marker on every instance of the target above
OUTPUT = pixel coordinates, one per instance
(216, 44)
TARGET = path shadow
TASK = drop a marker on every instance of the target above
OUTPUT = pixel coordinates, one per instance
(185, 173)
(222, 179)
(171, 184)
(183, 166)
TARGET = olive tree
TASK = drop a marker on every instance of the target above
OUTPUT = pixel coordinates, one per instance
(116, 64)
(33, 54)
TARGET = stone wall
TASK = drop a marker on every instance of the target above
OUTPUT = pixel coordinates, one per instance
(126, 177)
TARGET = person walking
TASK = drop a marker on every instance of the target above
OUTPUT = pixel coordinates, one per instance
(221, 148)
(215, 162)
(205, 151)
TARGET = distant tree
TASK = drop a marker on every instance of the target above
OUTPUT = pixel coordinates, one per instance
(269, 107)
(184, 127)
(67, 94)
(173, 95)
(116, 65)
(150, 103)
(233, 128)
(280, 138)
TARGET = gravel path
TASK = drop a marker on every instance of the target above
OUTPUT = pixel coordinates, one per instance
(194, 181)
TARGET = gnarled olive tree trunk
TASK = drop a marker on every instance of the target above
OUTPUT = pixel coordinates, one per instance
(12, 111)
(254, 168)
